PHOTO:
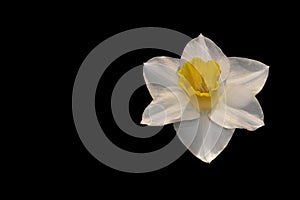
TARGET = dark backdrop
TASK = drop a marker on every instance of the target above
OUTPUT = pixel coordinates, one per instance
(252, 160)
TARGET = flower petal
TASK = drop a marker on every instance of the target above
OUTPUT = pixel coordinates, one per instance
(250, 73)
(171, 106)
(161, 71)
(170, 103)
(203, 138)
(206, 49)
(238, 109)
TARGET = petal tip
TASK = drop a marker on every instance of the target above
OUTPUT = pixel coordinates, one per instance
(207, 159)
(145, 121)
(257, 127)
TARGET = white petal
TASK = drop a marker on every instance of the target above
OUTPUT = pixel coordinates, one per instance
(206, 49)
(203, 138)
(171, 105)
(239, 110)
(161, 72)
(249, 73)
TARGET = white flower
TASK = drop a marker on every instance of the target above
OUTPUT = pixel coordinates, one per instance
(205, 94)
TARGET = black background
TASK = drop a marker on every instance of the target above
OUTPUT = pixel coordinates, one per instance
(252, 160)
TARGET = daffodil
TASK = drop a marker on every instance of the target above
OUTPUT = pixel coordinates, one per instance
(206, 96)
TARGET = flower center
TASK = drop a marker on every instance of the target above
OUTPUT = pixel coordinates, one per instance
(200, 80)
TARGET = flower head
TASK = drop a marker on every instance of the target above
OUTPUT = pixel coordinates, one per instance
(205, 94)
